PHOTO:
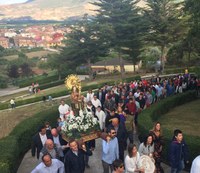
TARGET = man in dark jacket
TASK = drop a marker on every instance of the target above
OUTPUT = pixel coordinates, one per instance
(39, 140)
(74, 159)
(178, 153)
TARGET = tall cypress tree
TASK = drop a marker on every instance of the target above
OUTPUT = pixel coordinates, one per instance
(163, 18)
(192, 8)
(116, 17)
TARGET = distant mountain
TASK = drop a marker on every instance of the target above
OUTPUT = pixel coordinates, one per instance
(47, 9)
(28, 1)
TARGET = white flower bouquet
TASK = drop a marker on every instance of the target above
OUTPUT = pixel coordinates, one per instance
(76, 126)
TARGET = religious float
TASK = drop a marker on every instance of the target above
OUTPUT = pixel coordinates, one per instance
(79, 124)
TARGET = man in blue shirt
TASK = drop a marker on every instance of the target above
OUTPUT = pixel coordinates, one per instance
(110, 150)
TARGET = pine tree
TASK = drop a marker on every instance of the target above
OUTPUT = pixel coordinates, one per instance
(116, 17)
(192, 8)
(84, 44)
(163, 18)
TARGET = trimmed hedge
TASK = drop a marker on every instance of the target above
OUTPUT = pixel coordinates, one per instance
(14, 146)
(149, 116)
(39, 79)
(181, 70)
(52, 84)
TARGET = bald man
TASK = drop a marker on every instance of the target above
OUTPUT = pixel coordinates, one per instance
(61, 144)
(49, 165)
(49, 148)
(121, 136)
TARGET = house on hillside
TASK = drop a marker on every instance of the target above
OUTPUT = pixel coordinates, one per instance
(113, 65)
(24, 42)
(4, 42)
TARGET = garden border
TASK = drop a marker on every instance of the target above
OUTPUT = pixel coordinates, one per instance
(151, 115)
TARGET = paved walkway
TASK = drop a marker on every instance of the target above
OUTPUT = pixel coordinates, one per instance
(13, 90)
(29, 163)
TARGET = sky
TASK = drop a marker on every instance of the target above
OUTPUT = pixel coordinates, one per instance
(5, 2)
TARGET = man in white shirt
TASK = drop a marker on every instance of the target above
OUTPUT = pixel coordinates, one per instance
(96, 102)
(137, 93)
(89, 95)
(49, 165)
(63, 109)
(101, 117)
(12, 103)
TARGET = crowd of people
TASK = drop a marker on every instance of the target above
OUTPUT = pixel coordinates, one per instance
(117, 109)
(34, 88)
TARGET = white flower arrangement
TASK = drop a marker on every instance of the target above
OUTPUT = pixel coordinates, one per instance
(76, 125)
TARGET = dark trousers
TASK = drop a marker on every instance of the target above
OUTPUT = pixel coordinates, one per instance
(86, 159)
(136, 118)
(106, 167)
(122, 147)
(130, 136)
(12, 106)
(179, 168)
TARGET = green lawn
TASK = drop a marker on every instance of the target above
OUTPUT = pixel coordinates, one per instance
(185, 117)
(7, 98)
(39, 54)
(10, 118)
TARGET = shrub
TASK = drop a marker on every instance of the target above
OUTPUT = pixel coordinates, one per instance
(3, 82)
(149, 116)
(181, 70)
(52, 84)
(39, 79)
(14, 146)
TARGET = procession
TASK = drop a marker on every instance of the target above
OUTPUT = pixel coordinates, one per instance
(111, 115)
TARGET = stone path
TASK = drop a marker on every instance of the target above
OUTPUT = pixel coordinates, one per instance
(29, 163)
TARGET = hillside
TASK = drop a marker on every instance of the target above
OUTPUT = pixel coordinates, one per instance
(47, 9)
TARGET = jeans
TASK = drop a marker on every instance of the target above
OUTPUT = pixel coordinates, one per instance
(180, 167)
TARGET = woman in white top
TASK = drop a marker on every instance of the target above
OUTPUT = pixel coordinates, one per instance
(131, 160)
